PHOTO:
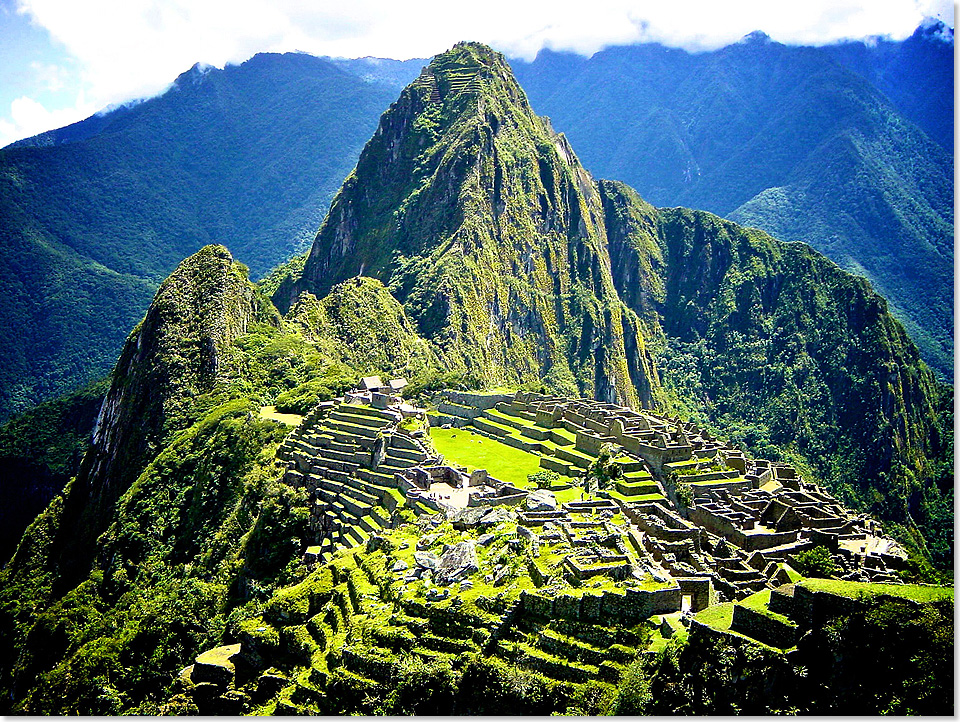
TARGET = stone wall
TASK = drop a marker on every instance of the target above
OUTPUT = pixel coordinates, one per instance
(633, 606)
(763, 628)
(699, 589)
(479, 401)
(811, 609)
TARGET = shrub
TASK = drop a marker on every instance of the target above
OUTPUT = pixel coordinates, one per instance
(543, 479)
(816, 562)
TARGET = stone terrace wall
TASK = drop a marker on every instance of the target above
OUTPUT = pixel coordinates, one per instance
(763, 628)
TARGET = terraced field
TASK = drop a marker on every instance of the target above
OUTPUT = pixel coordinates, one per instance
(554, 447)
(346, 632)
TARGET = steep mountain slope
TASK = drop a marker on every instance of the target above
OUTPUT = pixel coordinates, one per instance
(484, 225)
(178, 534)
(916, 75)
(452, 206)
(792, 140)
(175, 354)
(94, 215)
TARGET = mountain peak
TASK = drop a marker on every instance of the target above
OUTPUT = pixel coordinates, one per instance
(468, 206)
(934, 29)
(757, 37)
(467, 70)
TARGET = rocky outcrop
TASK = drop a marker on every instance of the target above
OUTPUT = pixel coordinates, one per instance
(489, 231)
(458, 562)
(176, 353)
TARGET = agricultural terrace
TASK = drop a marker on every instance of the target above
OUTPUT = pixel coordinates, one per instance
(463, 447)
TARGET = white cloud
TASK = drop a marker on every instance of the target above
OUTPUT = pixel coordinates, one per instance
(130, 48)
(50, 76)
(29, 117)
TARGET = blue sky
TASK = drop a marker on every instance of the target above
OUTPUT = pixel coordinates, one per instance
(62, 60)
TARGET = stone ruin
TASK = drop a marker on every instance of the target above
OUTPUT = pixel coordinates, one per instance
(552, 580)
(743, 520)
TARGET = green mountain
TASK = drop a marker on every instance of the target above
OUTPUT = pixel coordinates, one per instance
(95, 215)
(484, 225)
(821, 145)
(489, 255)
(916, 75)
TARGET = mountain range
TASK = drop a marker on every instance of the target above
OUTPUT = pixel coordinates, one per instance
(469, 247)
(848, 148)
(845, 147)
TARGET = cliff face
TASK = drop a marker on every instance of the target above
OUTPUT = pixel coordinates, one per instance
(174, 355)
(484, 225)
(521, 269)
(784, 349)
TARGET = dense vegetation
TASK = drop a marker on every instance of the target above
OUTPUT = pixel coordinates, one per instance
(94, 216)
(834, 669)
(495, 257)
(39, 451)
(174, 521)
(820, 145)
(789, 356)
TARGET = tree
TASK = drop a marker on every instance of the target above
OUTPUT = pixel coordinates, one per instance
(816, 562)
(604, 469)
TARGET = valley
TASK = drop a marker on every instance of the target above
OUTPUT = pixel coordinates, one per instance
(508, 439)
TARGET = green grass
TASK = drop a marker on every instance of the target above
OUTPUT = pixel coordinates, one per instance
(638, 498)
(271, 413)
(719, 616)
(574, 493)
(913, 592)
(758, 602)
(478, 452)
(569, 435)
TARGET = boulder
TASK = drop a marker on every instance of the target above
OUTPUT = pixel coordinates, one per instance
(524, 532)
(270, 683)
(399, 566)
(216, 666)
(458, 562)
(485, 539)
(427, 560)
(496, 515)
(541, 500)
(427, 541)
(463, 519)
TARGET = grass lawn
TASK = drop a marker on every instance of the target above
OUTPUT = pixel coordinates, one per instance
(758, 602)
(270, 412)
(506, 463)
(914, 592)
(719, 616)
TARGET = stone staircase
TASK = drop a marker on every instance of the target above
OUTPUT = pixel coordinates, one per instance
(345, 456)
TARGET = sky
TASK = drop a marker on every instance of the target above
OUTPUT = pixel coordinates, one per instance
(63, 60)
